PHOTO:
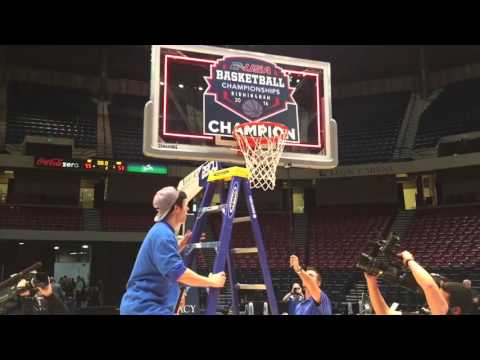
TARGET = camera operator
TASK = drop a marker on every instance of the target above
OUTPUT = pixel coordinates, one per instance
(445, 298)
(475, 297)
(39, 300)
(468, 284)
(295, 294)
(476, 305)
(294, 297)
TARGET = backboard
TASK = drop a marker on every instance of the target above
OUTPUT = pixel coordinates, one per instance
(199, 93)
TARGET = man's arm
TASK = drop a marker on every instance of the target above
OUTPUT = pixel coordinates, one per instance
(285, 298)
(311, 285)
(170, 264)
(308, 282)
(182, 244)
(191, 278)
(435, 300)
(185, 240)
(379, 304)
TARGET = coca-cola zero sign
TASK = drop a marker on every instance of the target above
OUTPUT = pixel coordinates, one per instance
(57, 163)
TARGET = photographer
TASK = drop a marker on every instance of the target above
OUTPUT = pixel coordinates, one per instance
(476, 305)
(293, 297)
(39, 300)
(447, 298)
(468, 284)
(295, 294)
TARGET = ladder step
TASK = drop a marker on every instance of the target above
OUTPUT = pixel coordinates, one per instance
(212, 209)
(250, 250)
(228, 173)
(241, 219)
(204, 245)
(251, 286)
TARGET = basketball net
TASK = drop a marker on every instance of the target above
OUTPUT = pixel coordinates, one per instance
(261, 144)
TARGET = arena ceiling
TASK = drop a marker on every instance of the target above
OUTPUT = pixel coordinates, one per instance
(349, 63)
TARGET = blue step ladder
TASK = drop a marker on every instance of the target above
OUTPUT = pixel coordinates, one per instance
(238, 178)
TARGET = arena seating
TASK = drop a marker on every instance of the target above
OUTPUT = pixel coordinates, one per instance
(339, 233)
(53, 112)
(368, 126)
(445, 238)
(126, 122)
(455, 111)
(277, 236)
(127, 218)
(44, 199)
(40, 218)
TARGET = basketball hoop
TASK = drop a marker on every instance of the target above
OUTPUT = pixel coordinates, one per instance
(261, 144)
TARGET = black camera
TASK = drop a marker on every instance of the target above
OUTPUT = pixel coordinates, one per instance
(30, 303)
(381, 260)
(36, 280)
(40, 280)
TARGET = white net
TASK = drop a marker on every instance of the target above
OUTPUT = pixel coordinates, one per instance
(262, 145)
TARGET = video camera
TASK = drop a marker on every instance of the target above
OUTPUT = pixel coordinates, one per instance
(36, 280)
(381, 260)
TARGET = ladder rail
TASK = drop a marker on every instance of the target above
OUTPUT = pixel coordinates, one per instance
(225, 239)
(225, 251)
(233, 282)
(255, 225)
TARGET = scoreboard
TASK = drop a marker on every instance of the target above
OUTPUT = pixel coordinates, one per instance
(116, 166)
(90, 165)
(102, 165)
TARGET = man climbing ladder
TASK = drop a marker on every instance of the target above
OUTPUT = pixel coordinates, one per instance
(153, 285)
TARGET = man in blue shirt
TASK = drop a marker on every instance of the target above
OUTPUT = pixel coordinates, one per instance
(316, 301)
(153, 285)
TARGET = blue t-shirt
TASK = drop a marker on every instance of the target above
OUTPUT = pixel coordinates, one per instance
(293, 301)
(311, 307)
(153, 288)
